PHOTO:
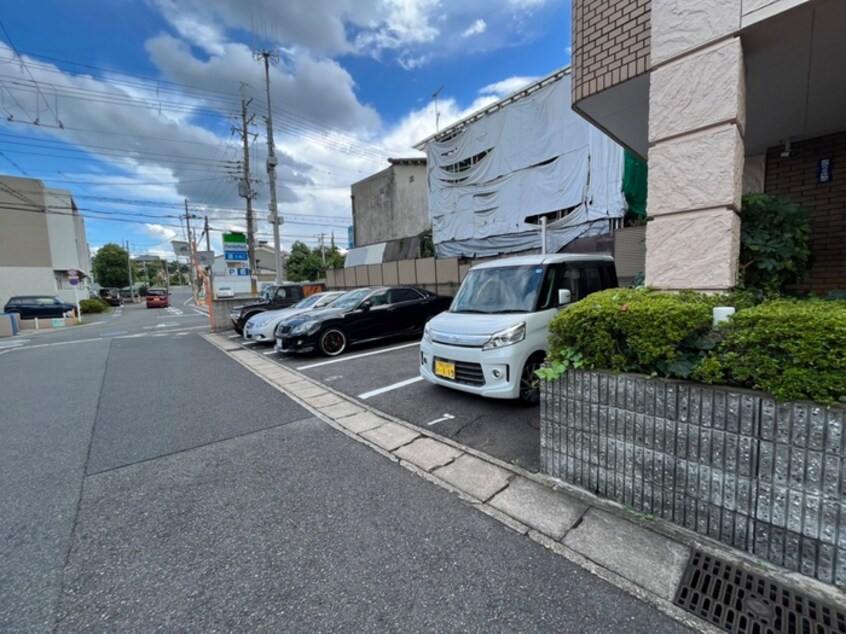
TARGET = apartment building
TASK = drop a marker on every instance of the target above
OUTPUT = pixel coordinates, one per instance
(721, 97)
(42, 237)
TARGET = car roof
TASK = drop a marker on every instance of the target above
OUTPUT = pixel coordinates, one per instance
(549, 258)
(30, 297)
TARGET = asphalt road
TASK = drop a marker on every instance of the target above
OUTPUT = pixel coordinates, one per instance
(150, 483)
(386, 376)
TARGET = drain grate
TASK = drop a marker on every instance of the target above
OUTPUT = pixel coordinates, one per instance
(742, 602)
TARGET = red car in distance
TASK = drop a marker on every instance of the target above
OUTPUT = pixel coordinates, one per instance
(157, 298)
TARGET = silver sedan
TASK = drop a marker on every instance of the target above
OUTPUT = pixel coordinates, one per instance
(260, 328)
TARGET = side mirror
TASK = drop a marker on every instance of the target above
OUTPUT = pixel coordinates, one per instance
(366, 305)
(563, 296)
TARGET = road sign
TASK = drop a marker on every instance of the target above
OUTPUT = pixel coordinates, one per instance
(73, 281)
(181, 248)
(205, 258)
(243, 271)
(235, 256)
(72, 273)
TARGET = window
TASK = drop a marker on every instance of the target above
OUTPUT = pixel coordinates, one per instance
(378, 299)
(398, 295)
(591, 280)
(283, 293)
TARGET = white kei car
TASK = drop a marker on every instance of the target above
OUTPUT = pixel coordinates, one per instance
(261, 327)
(225, 291)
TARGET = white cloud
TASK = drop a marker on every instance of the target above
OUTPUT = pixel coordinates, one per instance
(479, 26)
(506, 87)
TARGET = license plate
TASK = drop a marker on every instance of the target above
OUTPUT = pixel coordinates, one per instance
(445, 369)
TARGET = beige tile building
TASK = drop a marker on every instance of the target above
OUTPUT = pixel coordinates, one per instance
(42, 237)
(721, 97)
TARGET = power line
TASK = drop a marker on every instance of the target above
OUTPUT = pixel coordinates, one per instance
(29, 72)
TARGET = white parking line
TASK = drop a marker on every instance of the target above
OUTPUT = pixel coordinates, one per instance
(202, 312)
(441, 419)
(390, 388)
(357, 356)
(269, 352)
(233, 336)
(249, 343)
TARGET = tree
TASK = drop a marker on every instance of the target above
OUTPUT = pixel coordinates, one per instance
(110, 266)
(304, 264)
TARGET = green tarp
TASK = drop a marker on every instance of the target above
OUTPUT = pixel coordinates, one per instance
(634, 183)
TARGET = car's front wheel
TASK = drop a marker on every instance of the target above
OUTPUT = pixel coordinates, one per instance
(529, 381)
(333, 342)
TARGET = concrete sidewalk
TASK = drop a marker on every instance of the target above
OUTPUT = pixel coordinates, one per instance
(641, 555)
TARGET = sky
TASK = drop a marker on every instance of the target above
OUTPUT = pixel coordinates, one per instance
(131, 104)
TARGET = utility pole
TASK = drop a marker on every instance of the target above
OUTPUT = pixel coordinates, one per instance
(268, 57)
(211, 268)
(245, 190)
(129, 268)
(191, 253)
(322, 237)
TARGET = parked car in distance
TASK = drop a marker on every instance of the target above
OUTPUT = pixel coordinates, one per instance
(157, 297)
(262, 326)
(494, 336)
(283, 296)
(366, 314)
(111, 296)
(224, 292)
(31, 306)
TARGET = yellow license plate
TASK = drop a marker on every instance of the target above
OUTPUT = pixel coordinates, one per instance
(445, 369)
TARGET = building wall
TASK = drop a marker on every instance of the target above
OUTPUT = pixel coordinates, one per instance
(756, 10)
(23, 224)
(611, 43)
(796, 177)
(61, 229)
(25, 280)
(390, 205)
(411, 201)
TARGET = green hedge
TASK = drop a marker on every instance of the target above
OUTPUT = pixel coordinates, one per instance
(792, 349)
(93, 306)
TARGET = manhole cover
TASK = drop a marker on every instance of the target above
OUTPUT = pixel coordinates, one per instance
(743, 602)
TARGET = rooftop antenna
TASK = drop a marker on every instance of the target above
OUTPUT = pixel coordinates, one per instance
(437, 113)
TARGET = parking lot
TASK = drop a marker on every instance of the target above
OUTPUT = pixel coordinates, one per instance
(386, 377)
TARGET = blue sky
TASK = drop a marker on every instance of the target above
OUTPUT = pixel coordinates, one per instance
(135, 99)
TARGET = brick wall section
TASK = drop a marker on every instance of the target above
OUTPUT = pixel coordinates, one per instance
(796, 178)
(611, 43)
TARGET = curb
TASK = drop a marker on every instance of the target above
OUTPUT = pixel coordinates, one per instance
(642, 556)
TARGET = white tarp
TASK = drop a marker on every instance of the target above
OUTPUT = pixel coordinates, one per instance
(528, 157)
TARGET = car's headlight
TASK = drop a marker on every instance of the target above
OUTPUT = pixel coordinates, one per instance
(506, 337)
(306, 328)
(427, 333)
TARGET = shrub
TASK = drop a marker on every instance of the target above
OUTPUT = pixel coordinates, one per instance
(636, 330)
(774, 249)
(93, 306)
(793, 349)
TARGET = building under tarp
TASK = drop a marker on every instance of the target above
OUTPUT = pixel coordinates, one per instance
(494, 175)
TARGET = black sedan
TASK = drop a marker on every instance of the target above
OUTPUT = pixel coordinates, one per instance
(365, 314)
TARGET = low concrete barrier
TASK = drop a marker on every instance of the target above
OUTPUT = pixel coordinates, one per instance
(767, 478)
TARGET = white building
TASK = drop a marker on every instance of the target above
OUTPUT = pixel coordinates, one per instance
(496, 174)
(42, 237)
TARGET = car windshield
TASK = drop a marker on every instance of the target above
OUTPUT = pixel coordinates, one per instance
(308, 301)
(351, 299)
(507, 289)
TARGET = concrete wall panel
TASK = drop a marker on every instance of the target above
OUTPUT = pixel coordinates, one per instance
(708, 164)
(697, 91)
(361, 275)
(390, 274)
(407, 272)
(426, 271)
(680, 25)
(374, 274)
(693, 251)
